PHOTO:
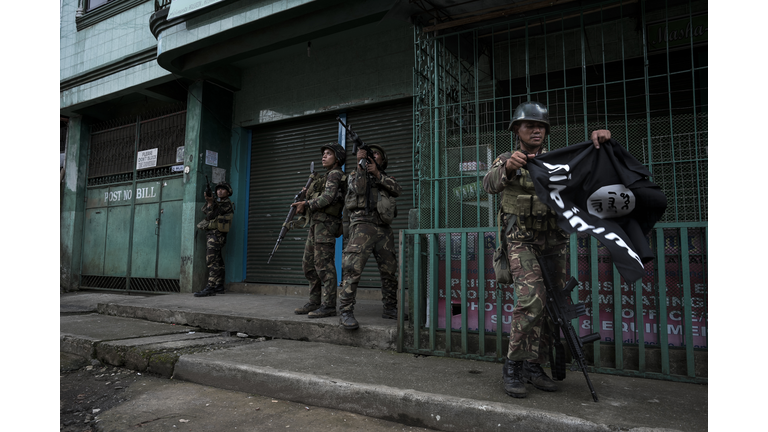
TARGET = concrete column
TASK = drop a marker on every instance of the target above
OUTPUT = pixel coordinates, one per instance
(73, 203)
(209, 127)
(239, 178)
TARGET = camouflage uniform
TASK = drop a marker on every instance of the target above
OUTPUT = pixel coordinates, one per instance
(368, 234)
(324, 213)
(219, 210)
(527, 236)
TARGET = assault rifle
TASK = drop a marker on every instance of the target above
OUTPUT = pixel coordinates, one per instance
(562, 311)
(358, 144)
(208, 191)
(292, 212)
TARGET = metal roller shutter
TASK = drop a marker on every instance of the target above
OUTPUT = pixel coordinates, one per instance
(391, 127)
(280, 158)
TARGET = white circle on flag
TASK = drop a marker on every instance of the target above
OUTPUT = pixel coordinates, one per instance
(611, 201)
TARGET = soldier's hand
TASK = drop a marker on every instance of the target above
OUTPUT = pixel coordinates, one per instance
(373, 169)
(208, 198)
(600, 136)
(299, 206)
(361, 154)
(516, 161)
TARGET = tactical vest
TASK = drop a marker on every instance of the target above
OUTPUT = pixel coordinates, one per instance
(519, 198)
(318, 187)
(222, 222)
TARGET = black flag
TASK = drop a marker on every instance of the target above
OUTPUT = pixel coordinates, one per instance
(604, 192)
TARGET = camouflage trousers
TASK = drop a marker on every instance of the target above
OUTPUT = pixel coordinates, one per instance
(214, 260)
(364, 239)
(318, 264)
(530, 336)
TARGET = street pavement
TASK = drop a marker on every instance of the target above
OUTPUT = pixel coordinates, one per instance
(313, 362)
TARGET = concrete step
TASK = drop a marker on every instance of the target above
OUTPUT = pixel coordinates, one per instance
(170, 335)
(442, 393)
(136, 344)
(257, 315)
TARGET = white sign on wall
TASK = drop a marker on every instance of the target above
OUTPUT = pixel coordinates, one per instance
(218, 175)
(146, 159)
(180, 154)
(211, 158)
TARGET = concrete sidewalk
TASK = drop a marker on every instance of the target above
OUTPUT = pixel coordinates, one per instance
(323, 365)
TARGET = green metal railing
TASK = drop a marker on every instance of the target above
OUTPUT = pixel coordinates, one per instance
(634, 67)
(663, 317)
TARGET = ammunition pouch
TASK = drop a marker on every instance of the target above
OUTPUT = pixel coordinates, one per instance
(224, 222)
(386, 206)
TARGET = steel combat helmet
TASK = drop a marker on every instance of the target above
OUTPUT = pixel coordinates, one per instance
(532, 111)
(383, 154)
(338, 151)
(225, 186)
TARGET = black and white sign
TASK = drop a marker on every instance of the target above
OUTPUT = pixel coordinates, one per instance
(180, 154)
(606, 193)
(177, 168)
(146, 159)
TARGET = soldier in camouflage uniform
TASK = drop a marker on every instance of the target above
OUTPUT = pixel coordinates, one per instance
(529, 229)
(218, 220)
(325, 200)
(370, 232)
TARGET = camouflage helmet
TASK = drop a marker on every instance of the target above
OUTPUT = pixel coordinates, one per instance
(383, 154)
(338, 151)
(532, 111)
(225, 186)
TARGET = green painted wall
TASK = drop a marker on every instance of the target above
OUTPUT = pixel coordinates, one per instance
(209, 127)
(73, 203)
(234, 251)
(372, 63)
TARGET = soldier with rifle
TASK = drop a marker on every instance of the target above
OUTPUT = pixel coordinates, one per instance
(370, 204)
(217, 222)
(529, 230)
(322, 210)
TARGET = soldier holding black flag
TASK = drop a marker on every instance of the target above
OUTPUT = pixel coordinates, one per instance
(528, 229)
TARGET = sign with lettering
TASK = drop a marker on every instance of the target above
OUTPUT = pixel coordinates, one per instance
(183, 7)
(146, 159)
(677, 32)
(177, 168)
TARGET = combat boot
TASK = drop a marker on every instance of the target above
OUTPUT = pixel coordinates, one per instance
(391, 313)
(207, 291)
(307, 308)
(534, 374)
(220, 290)
(348, 321)
(322, 312)
(512, 375)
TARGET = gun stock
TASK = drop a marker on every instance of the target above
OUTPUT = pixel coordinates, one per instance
(292, 211)
(562, 311)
